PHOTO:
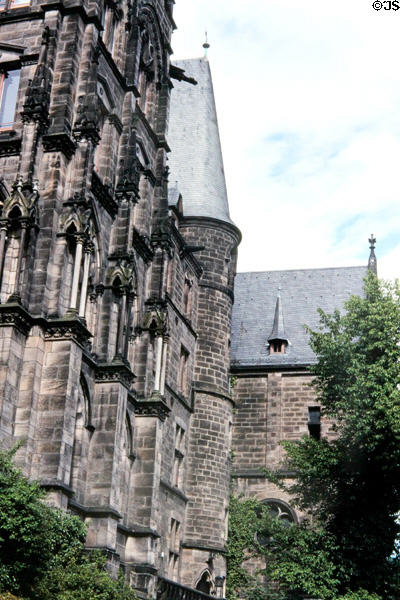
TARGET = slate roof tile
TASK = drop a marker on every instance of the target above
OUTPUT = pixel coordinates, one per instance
(303, 291)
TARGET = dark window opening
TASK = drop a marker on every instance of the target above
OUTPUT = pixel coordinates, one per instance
(314, 422)
(277, 347)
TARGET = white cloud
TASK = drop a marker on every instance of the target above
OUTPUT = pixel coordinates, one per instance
(308, 99)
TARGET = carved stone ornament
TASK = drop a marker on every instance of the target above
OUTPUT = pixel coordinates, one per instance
(14, 314)
(58, 142)
(125, 269)
(67, 329)
(78, 211)
(115, 372)
(155, 406)
(24, 195)
(10, 145)
(155, 319)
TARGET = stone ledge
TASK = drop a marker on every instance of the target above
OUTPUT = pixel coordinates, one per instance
(192, 545)
(94, 511)
(174, 490)
(56, 484)
(138, 531)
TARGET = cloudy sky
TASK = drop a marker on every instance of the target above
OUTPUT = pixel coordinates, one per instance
(308, 101)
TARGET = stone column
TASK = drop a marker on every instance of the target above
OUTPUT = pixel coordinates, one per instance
(19, 261)
(86, 265)
(159, 349)
(163, 365)
(3, 233)
(77, 268)
(121, 325)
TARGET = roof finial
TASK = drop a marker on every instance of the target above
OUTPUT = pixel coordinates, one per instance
(206, 45)
(372, 263)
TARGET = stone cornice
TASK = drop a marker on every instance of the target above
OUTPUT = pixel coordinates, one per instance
(56, 484)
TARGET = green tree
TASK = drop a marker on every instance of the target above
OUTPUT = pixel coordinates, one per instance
(42, 553)
(352, 484)
(349, 486)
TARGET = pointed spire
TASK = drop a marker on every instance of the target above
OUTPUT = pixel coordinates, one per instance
(372, 262)
(206, 45)
(278, 329)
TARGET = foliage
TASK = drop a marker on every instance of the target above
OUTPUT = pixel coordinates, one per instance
(298, 557)
(42, 554)
(349, 486)
(353, 482)
(79, 576)
(26, 537)
(359, 595)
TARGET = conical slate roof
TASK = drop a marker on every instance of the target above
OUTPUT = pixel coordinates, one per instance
(195, 160)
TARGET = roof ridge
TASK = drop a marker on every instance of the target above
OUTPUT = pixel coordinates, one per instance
(300, 269)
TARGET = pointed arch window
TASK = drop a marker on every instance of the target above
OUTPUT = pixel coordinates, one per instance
(13, 252)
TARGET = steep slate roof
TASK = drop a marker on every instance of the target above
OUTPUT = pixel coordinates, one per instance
(195, 160)
(302, 293)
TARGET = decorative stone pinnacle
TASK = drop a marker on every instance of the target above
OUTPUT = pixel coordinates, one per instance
(372, 262)
(206, 45)
(372, 242)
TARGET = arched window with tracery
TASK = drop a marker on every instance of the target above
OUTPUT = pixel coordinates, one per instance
(17, 235)
(279, 510)
(77, 246)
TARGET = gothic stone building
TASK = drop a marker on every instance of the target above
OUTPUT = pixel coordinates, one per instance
(115, 300)
(117, 264)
